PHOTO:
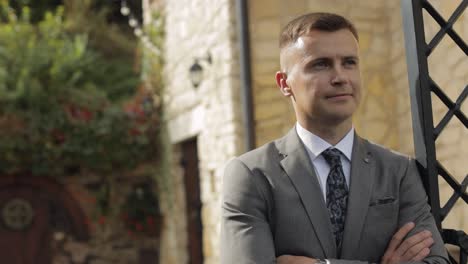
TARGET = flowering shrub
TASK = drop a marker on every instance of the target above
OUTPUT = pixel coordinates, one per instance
(64, 107)
(140, 212)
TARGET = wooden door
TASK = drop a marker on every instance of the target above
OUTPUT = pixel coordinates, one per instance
(29, 210)
(193, 203)
(25, 233)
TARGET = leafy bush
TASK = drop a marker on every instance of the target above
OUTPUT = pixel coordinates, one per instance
(64, 107)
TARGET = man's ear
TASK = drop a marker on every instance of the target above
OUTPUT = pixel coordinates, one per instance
(281, 78)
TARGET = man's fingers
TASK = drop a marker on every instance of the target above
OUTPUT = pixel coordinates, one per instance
(288, 259)
(415, 250)
(284, 259)
(396, 241)
(422, 254)
(412, 241)
(399, 236)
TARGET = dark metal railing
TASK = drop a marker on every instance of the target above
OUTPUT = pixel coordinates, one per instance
(422, 86)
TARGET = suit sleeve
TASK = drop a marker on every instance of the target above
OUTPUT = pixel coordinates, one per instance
(414, 208)
(245, 231)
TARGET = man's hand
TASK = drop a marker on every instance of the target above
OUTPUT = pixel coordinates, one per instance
(289, 259)
(414, 248)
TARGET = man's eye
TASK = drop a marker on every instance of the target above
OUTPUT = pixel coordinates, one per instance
(350, 62)
(320, 65)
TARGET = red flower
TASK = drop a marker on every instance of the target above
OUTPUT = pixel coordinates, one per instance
(86, 115)
(79, 113)
(58, 136)
(135, 111)
(135, 132)
(150, 220)
(102, 220)
(138, 227)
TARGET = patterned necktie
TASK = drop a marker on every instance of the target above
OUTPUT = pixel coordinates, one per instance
(337, 194)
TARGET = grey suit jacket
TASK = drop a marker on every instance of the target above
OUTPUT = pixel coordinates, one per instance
(272, 205)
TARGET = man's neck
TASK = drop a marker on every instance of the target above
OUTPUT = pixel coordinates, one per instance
(330, 133)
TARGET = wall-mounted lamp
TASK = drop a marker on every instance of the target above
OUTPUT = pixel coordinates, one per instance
(196, 70)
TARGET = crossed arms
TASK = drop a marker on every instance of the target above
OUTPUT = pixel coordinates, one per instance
(400, 249)
(247, 226)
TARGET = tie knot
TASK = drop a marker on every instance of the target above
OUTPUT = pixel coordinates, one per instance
(332, 156)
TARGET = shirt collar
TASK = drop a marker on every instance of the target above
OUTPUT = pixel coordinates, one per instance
(317, 145)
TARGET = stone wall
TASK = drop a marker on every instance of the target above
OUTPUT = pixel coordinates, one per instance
(210, 112)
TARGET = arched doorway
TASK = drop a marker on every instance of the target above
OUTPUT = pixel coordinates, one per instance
(31, 209)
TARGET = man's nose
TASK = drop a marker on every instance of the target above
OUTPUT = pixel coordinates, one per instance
(339, 75)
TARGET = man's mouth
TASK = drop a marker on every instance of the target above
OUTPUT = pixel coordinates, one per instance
(339, 96)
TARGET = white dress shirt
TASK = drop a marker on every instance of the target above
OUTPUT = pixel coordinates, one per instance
(316, 145)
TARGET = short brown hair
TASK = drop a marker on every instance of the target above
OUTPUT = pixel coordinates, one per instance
(318, 21)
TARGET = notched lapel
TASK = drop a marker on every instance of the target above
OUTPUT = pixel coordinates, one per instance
(361, 183)
(299, 169)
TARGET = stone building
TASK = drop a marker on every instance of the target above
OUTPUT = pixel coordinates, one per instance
(206, 125)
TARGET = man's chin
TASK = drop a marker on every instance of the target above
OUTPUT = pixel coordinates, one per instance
(336, 119)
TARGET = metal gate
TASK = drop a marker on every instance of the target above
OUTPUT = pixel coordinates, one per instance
(422, 86)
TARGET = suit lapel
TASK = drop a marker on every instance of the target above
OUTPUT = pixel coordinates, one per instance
(362, 171)
(298, 167)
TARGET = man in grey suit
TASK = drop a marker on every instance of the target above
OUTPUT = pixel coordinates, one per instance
(322, 194)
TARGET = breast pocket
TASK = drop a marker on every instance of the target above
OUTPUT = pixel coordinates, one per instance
(381, 222)
(382, 211)
(382, 201)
